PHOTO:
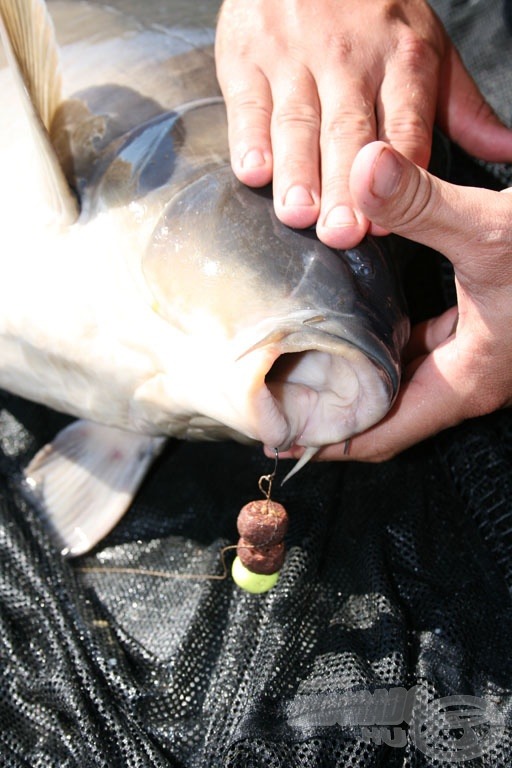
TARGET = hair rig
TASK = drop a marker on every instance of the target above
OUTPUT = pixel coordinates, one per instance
(260, 552)
(262, 525)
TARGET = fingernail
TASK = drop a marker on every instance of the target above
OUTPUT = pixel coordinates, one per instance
(340, 216)
(387, 172)
(298, 196)
(254, 158)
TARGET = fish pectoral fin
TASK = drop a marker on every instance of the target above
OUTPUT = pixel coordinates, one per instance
(31, 48)
(87, 478)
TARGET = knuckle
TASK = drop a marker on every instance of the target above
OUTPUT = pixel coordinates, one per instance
(248, 87)
(492, 240)
(296, 115)
(249, 110)
(409, 127)
(382, 455)
(349, 122)
(248, 122)
(416, 52)
(339, 46)
(481, 113)
(496, 245)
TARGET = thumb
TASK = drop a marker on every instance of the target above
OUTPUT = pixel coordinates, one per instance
(400, 197)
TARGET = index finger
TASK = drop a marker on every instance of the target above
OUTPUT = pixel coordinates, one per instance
(249, 109)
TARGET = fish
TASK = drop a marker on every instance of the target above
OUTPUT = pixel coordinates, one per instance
(145, 291)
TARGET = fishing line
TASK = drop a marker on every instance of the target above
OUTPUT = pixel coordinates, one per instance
(262, 525)
(131, 571)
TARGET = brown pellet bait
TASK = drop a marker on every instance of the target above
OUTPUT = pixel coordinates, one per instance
(261, 559)
(262, 525)
(263, 522)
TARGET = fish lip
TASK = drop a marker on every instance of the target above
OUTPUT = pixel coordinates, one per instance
(314, 333)
(368, 344)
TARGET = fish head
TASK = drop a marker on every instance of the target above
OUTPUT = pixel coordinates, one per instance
(306, 340)
(287, 340)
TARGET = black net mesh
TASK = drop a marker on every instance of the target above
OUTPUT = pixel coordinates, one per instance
(397, 576)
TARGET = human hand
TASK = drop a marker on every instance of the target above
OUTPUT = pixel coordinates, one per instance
(308, 84)
(458, 365)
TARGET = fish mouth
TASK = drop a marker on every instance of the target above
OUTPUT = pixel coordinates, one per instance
(316, 390)
(296, 386)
